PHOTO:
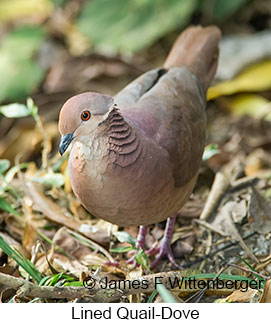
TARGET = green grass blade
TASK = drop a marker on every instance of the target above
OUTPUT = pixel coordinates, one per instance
(21, 261)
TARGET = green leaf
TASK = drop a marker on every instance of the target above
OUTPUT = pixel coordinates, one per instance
(4, 165)
(152, 297)
(59, 279)
(33, 109)
(53, 179)
(142, 259)
(21, 261)
(223, 9)
(13, 171)
(165, 294)
(74, 284)
(128, 26)
(210, 151)
(59, 3)
(252, 268)
(122, 249)
(20, 73)
(14, 110)
(123, 236)
(4, 205)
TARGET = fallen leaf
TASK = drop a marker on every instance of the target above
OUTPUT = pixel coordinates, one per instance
(56, 214)
(13, 9)
(250, 104)
(7, 294)
(4, 165)
(239, 296)
(259, 215)
(266, 296)
(14, 110)
(254, 78)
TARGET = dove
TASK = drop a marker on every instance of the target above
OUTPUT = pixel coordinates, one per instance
(135, 157)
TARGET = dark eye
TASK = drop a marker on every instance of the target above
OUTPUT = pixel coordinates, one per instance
(85, 115)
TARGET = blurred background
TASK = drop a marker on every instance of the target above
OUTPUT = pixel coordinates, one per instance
(53, 49)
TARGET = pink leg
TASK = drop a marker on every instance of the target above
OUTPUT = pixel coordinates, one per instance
(140, 242)
(165, 246)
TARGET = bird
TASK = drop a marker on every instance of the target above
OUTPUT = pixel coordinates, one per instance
(135, 157)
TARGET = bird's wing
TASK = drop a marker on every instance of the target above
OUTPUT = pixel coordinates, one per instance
(176, 106)
(136, 89)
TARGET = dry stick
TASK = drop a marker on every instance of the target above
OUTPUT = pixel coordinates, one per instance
(226, 246)
(87, 242)
(208, 249)
(210, 227)
(195, 298)
(96, 294)
(239, 238)
(249, 271)
(243, 183)
(219, 187)
(45, 141)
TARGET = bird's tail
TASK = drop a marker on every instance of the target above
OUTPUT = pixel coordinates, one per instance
(197, 49)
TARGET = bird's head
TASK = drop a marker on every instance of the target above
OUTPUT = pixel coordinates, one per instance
(81, 115)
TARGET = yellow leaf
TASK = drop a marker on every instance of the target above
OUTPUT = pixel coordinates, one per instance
(250, 104)
(256, 77)
(12, 9)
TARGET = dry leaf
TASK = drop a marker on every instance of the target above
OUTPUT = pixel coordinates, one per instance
(259, 212)
(250, 104)
(266, 296)
(254, 78)
(55, 213)
(13, 9)
(241, 297)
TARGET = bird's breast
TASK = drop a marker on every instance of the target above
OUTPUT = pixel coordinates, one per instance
(136, 191)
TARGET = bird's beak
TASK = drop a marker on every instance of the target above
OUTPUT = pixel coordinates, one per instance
(65, 142)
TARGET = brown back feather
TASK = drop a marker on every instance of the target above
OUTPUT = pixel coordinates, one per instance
(197, 49)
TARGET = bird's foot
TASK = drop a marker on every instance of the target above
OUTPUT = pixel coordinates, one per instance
(164, 250)
(140, 244)
(165, 247)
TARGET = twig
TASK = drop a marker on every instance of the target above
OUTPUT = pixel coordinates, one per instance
(237, 236)
(45, 141)
(208, 249)
(210, 227)
(87, 242)
(195, 298)
(243, 183)
(218, 190)
(96, 294)
(226, 246)
(249, 271)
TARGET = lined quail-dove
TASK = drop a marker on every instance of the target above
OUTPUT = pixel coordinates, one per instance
(135, 157)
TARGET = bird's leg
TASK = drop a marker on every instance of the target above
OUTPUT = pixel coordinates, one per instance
(140, 242)
(165, 246)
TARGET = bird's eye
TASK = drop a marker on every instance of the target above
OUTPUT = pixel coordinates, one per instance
(85, 115)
